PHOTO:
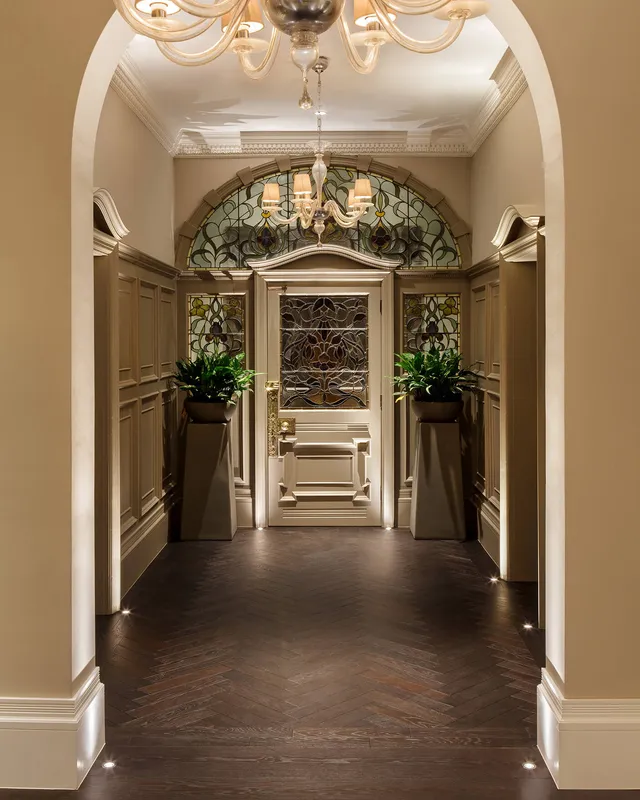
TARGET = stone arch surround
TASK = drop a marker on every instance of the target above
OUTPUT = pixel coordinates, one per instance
(399, 175)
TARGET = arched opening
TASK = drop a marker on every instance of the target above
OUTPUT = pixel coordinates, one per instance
(520, 36)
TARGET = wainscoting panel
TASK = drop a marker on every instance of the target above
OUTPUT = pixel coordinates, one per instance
(485, 407)
(136, 410)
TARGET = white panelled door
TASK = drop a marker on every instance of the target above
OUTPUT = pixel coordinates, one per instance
(324, 405)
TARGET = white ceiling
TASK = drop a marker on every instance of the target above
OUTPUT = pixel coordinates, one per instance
(436, 95)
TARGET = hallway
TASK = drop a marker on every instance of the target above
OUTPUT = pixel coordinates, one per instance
(333, 663)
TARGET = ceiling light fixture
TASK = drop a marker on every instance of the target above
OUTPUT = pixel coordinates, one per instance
(316, 211)
(303, 21)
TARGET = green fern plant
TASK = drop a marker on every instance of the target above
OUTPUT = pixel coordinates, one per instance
(214, 377)
(436, 376)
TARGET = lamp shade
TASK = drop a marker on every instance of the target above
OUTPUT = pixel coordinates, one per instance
(251, 19)
(362, 192)
(149, 6)
(301, 183)
(364, 13)
(271, 194)
(352, 198)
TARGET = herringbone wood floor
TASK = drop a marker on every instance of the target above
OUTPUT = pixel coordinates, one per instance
(333, 663)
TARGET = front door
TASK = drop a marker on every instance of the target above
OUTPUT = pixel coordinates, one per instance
(324, 405)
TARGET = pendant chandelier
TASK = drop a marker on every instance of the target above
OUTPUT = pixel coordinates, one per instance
(301, 20)
(311, 210)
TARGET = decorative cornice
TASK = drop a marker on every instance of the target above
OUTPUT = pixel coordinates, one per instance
(134, 256)
(103, 244)
(299, 143)
(484, 266)
(128, 83)
(512, 218)
(509, 85)
(326, 249)
(107, 218)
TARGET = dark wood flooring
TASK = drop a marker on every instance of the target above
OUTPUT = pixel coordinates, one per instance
(342, 664)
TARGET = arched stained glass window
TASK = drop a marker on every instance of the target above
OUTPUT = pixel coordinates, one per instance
(401, 226)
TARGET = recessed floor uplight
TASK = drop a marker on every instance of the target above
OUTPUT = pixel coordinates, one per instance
(260, 529)
(126, 611)
(109, 765)
(528, 626)
(494, 579)
(388, 528)
(529, 765)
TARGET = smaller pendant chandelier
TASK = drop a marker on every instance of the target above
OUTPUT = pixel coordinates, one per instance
(314, 210)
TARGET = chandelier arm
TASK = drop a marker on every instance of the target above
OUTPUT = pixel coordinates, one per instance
(276, 216)
(364, 65)
(179, 33)
(343, 220)
(450, 34)
(264, 67)
(206, 10)
(211, 53)
(415, 7)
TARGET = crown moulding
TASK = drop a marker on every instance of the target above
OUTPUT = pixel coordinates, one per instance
(508, 85)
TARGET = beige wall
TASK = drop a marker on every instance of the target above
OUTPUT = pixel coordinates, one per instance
(138, 172)
(506, 171)
(194, 177)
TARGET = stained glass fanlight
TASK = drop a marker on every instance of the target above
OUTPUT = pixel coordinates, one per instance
(401, 225)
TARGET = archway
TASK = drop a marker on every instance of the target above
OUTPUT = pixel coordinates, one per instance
(72, 366)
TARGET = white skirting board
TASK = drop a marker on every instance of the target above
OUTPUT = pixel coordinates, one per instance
(588, 744)
(51, 743)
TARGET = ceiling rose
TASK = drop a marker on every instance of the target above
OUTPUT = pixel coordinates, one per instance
(301, 20)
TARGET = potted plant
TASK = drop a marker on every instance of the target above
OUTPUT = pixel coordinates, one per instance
(213, 382)
(435, 381)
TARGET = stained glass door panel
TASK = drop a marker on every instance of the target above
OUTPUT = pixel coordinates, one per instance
(324, 351)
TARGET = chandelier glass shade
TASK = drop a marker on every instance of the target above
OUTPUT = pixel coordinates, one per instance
(302, 21)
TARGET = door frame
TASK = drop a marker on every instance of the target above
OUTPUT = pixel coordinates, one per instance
(316, 278)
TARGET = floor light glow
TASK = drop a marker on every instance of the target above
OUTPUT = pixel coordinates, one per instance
(494, 579)
(529, 765)
(528, 626)
(126, 611)
(109, 765)
(388, 528)
(260, 529)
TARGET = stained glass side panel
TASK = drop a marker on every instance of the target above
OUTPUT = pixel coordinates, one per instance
(324, 355)
(216, 322)
(431, 320)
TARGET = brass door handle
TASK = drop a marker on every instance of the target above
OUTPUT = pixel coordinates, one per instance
(272, 389)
